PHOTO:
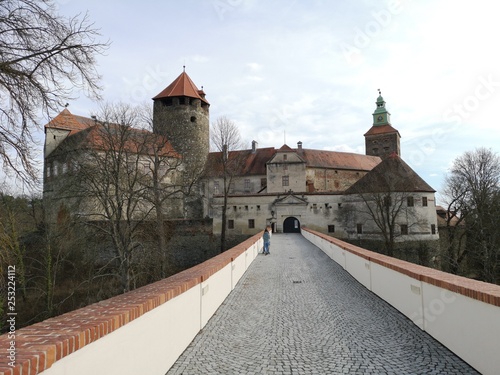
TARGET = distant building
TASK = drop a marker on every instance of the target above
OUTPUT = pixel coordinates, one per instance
(284, 187)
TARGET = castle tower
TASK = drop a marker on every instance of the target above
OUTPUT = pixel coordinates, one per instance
(181, 113)
(382, 139)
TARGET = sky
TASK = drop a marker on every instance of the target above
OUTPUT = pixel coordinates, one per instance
(309, 71)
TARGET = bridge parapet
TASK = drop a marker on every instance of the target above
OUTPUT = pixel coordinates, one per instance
(140, 332)
(463, 314)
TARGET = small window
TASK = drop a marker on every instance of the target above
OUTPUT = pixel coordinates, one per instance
(285, 168)
(433, 228)
(285, 181)
(235, 208)
(258, 208)
(404, 229)
(246, 208)
(359, 228)
(263, 182)
(216, 187)
(285, 157)
(251, 223)
(424, 201)
(247, 184)
(193, 119)
(331, 229)
(409, 202)
(230, 224)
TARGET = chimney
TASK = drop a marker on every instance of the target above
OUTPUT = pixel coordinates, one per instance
(299, 146)
(254, 147)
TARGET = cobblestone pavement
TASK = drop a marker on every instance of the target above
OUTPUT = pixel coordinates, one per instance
(298, 312)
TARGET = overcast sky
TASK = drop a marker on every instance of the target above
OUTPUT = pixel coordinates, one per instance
(309, 70)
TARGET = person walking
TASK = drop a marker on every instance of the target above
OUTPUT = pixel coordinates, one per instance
(267, 241)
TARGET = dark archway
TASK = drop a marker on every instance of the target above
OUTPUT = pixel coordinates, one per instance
(291, 225)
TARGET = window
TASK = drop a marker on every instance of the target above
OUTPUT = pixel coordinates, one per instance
(404, 229)
(409, 202)
(331, 228)
(251, 223)
(285, 156)
(285, 181)
(246, 208)
(230, 224)
(263, 182)
(285, 168)
(424, 201)
(216, 187)
(49, 169)
(359, 228)
(433, 228)
(247, 184)
(258, 208)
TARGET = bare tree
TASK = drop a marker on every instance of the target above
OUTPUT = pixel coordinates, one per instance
(473, 195)
(386, 198)
(111, 182)
(225, 137)
(454, 234)
(44, 59)
(165, 189)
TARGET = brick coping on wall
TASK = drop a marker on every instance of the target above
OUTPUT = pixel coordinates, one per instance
(38, 346)
(481, 291)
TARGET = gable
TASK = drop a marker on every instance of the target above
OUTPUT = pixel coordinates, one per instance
(291, 200)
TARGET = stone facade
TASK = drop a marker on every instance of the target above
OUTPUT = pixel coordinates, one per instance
(286, 188)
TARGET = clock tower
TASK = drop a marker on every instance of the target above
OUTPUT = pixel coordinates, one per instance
(382, 139)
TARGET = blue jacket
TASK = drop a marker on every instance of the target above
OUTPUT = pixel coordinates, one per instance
(266, 236)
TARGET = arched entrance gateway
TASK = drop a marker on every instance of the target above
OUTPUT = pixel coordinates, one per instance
(291, 225)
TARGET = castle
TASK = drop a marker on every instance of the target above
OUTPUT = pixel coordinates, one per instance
(283, 187)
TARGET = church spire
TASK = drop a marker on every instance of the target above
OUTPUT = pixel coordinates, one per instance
(381, 116)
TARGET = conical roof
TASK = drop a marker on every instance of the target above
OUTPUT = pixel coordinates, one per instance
(182, 86)
(390, 175)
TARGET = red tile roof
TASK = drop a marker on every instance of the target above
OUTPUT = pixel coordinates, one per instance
(87, 133)
(249, 163)
(68, 121)
(383, 129)
(182, 86)
(285, 147)
(339, 160)
(391, 175)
